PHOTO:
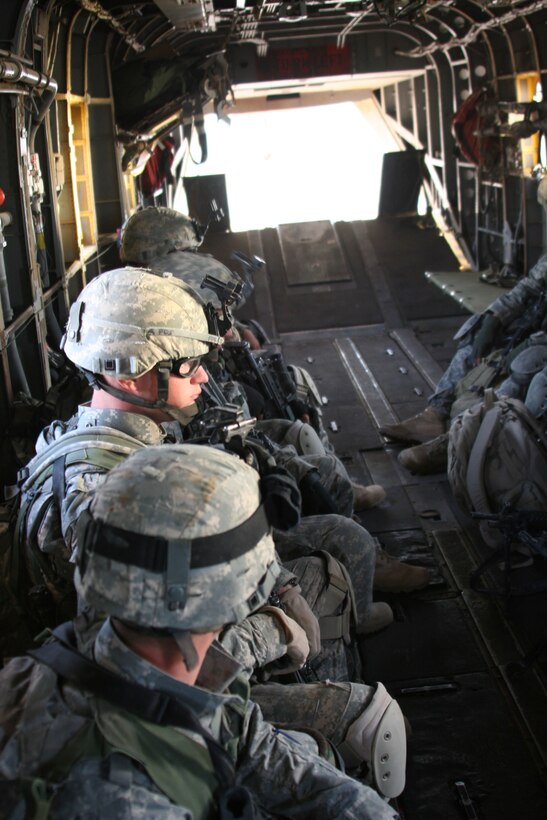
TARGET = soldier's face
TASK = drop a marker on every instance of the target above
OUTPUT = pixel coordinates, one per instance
(184, 392)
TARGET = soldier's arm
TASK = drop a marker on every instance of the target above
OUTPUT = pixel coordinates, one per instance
(509, 306)
(257, 641)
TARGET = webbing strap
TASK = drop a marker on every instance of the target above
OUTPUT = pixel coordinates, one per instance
(477, 457)
(58, 483)
(148, 704)
(335, 626)
(339, 593)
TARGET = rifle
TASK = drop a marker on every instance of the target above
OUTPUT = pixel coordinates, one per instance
(224, 424)
(529, 527)
(266, 373)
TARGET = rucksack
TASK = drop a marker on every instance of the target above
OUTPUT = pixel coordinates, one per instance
(28, 575)
(497, 460)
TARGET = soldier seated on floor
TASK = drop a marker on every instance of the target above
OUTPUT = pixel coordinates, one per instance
(488, 345)
(150, 716)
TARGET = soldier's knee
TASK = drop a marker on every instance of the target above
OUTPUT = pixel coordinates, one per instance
(377, 737)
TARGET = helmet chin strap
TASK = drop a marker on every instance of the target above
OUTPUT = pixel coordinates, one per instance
(180, 414)
(187, 649)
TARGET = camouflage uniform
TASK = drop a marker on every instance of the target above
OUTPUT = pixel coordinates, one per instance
(263, 638)
(343, 538)
(334, 476)
(191, 268)
(263, 635)
(509, 308)
(39, 718)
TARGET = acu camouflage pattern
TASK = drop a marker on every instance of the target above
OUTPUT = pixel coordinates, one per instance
(39, 719)
(155, 232)
(344, 539)
(126, 321)
(182, 491)
(53, 531)
(328, 707)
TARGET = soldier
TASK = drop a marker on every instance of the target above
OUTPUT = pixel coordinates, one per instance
(506, 323)
(152, 718)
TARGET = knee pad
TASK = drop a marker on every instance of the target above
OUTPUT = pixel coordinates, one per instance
(378, 738)
(304, 439)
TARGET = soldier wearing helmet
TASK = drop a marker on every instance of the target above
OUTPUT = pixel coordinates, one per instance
(140, 339)
(152, 718)
(153, 232)
(132, 331)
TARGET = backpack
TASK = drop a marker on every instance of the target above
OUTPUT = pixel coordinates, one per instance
(30, 578)
(497, 460)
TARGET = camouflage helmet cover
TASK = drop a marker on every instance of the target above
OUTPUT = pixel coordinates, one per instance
(176, 494)
(156, 231)
(192, 268)
(126, 321)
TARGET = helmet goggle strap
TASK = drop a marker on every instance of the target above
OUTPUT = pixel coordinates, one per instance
(174, 558)
(180, 414)
(186, 367)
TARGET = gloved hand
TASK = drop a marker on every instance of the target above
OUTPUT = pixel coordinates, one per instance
(296, 606)
(484, 338)
(316, 500)
(298, 648)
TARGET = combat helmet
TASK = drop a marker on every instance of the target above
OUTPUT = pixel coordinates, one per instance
(156, 231)
(128, 321)
(188, 549)
(192, 268)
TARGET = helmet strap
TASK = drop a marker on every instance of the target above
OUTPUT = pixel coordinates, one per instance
(183, 639)
(180, 414)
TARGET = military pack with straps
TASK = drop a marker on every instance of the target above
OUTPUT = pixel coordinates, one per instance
(150, 727)
(497, 459)
(44, 594)
(470, 389)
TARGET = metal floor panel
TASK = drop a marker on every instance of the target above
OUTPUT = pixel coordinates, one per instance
(488, 731)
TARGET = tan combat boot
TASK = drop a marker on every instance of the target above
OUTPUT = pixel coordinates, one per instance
(380, 615)
(364, 498)
(426, 425)
(393, 576)
(425, 459)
